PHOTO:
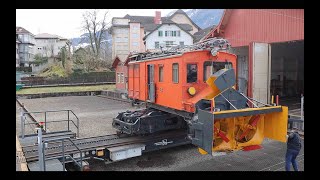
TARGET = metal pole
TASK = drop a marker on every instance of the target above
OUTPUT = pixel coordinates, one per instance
(302, 112)
(249, 100)
(68, 121)
(229, 102)
(63, 157)
(22, 122)
(43, 157)
(261, 102)
(81, 159)
(45, 121)
(302, 105)
(78, 126)
(40, 150)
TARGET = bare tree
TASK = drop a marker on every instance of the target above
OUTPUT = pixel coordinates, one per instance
(95, 30)
(50, 50)
(69, 44)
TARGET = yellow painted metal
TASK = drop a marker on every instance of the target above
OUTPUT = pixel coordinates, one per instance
(276, 125)
(191, 91)
(100, 153)
(214, 90)
(245, 110)
(201, 151)
(272, 99)
(271, 125)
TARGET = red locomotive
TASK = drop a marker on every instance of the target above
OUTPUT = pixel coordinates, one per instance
(193, 88)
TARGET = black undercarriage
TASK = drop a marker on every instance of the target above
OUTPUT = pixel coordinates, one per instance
(147, 121)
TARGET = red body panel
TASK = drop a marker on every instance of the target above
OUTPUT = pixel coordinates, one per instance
(168, 93)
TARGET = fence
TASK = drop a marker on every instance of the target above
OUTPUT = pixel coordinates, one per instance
(298, 123)
(24, 69)
(51, 117)
(108, 77)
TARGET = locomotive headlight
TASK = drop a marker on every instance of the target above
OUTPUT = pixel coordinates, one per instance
(192, 91)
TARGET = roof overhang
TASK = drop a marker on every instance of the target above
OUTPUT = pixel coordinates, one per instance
(115, 62)
(218, 30)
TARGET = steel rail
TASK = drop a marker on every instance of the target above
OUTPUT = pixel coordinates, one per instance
(86, 146)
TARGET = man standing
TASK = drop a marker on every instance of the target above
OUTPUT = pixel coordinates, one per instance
(293, 149)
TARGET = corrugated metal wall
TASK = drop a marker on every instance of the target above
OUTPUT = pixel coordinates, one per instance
(264, 25)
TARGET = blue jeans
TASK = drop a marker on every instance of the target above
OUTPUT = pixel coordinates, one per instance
(291, 156)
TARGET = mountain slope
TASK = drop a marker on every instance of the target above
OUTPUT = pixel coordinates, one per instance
(203, 17)
(86, 41)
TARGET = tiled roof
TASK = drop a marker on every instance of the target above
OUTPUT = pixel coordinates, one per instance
(200, 34)
(146, 19)
(48, 36)
(22, 30)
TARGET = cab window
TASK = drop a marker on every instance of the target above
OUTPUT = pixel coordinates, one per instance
(192, 73)
(175, 73)
(210, 68)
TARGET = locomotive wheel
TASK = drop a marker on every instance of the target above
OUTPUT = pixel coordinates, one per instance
(119, 133)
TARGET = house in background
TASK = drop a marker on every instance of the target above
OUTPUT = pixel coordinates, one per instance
(49, 45)
(121, 69)
(25, 46)
(168, 34)
(180, 17)
(17, 53)
(202, 33)
(141, 33)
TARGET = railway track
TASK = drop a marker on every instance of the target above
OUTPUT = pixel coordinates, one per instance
(88, 144)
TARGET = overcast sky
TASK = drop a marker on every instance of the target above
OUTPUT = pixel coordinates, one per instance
(67, 22)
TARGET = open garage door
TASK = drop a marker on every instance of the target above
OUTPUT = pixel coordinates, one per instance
(260, 65)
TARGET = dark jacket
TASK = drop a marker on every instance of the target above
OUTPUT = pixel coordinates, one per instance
(294, 142)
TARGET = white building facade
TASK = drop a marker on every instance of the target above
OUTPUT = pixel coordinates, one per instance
(167, 35)
(26, 42)
(49, 45)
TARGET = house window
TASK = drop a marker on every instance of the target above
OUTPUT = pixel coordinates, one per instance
(166, 33)
(160, 33)
(118, 75)
(134, 43)
(173, 33)
(175, 73)
(134, 35)
(156, 45)
(160, 72)
(181, 43)
(122, 78)
(192, 73)
(178, 33)
(169, 43)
